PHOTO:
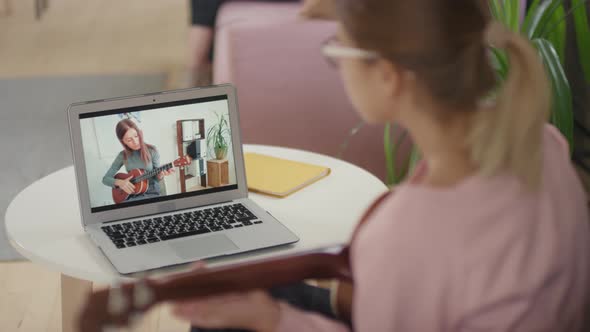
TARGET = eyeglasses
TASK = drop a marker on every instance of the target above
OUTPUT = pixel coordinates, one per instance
(333, 50)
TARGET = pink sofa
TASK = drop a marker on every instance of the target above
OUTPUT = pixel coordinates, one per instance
(288, 94)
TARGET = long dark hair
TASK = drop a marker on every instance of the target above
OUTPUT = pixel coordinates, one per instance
(446, 44)
(121, 129)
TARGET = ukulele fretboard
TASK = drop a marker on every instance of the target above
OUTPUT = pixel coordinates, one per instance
(152, 173)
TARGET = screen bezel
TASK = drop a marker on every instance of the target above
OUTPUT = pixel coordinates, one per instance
(147, 101)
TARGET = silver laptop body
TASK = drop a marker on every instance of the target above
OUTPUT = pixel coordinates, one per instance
(176, 227)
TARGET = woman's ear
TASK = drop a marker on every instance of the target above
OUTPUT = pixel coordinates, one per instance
(390, 77)
(397, 80)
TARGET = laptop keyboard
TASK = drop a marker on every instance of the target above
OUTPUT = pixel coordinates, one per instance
(180, 225)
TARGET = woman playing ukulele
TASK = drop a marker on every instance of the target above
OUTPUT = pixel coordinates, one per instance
(136, 154)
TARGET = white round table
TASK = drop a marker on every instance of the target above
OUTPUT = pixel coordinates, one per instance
(43, 222)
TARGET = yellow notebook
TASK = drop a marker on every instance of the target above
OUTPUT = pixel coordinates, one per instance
(279, 177)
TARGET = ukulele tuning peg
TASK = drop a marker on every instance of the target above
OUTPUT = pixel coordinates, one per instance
(110, 328)
(142, 295)
(134, 319)
(117, 303)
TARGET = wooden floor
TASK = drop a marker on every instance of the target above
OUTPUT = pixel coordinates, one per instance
(30, 301)
(93, 36)
(75, 38)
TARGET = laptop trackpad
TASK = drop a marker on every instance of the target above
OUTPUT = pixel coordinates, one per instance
(208, 246)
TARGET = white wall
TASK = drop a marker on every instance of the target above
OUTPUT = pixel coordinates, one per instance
(101, 145)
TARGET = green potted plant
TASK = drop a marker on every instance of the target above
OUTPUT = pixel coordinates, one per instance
(560, 31)
(218, 137)
(544, 24)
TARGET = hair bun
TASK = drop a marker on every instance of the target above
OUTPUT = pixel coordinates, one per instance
(496, 34)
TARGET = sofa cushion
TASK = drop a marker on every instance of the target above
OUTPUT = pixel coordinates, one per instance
(235, 13)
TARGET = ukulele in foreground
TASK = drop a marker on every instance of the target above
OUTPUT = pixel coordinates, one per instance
(121, 306)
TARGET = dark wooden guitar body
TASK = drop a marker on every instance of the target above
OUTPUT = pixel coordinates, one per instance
(119, 195)
(141, 178)
(201, 283)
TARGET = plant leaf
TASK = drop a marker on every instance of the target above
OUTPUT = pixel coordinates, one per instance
(531, 16)
(542, 15)
(497, 11)
(582, 36)
(557, 34)
(512, 9)
(500, 61)
(389, 163)
(562, 110)
(395, 173)
(403, 170)
(350, 135)
(415, 157)
(548, 19)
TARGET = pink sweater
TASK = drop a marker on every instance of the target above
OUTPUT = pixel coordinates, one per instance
(481, 256)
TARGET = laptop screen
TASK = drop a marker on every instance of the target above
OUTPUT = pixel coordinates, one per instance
(159, 152)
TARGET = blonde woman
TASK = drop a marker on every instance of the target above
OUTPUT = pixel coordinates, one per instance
(491, 231)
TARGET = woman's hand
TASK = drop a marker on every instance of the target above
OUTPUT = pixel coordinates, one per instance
(253, 310)
(126, 185)
(165, 173)
(343, 300)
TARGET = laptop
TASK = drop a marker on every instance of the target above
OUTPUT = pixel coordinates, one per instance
(161, 179)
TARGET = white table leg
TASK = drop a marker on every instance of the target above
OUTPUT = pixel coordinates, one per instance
(73, 295)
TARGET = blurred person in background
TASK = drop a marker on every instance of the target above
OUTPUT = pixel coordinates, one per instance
(201, 35)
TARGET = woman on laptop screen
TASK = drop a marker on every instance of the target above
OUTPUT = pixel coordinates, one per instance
(138, 158)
